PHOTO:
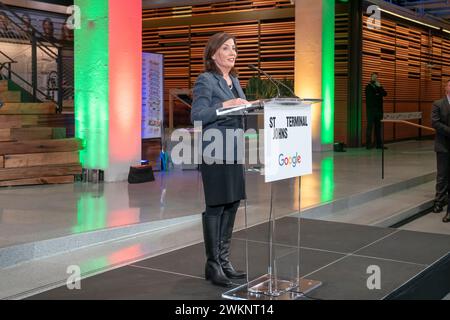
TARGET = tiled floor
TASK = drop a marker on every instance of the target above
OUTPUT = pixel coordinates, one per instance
(336, 254)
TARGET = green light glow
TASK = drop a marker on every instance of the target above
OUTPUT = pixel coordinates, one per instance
(91, 83)
(327, 179)
(94, 264)
(328, 19)
(91, 213)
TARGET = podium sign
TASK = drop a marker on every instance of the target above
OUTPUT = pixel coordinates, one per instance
(287, 157)
(287, 141)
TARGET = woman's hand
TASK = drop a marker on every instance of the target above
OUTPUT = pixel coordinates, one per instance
(234, 102)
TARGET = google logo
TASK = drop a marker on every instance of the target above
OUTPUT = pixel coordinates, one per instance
(286, 161)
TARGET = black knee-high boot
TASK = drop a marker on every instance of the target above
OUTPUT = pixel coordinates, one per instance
(226, 232)
(211, 233)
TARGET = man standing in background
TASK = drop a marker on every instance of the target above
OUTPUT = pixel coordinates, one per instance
(440, 114)
(374, 110)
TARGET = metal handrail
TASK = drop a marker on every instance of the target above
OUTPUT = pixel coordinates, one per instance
(34, 30)
(8, 57)
(410, 123)
(419, 126)
(8, 63)
(38, 40)
(25, 81)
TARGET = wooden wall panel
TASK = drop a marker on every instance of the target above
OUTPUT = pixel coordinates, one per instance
(221, 7)
(412, 62)
(277, 48)
(341, 77)
(413, 65)
(269, 44)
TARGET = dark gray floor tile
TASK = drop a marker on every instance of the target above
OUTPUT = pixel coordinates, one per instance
(136, 283)
(191, 260)
(410, 246)
(178, 274)
(347, 279)
(340, 237)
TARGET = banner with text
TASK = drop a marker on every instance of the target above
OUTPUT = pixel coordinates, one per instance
(287, 141)
(152, 95)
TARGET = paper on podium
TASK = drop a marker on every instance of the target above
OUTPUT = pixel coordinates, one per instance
(292, 101)
(259, 104)
(239, 108)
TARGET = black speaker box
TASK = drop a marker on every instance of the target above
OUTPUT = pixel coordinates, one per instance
(339, 147)
(140, 174)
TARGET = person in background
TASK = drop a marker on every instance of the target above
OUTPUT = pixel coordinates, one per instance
(440, 114)
(48, 30)
(3, 22)
(26, 25)
(374, 110)
(5, 26)
(66, 33)
(223, 182)
(27, 22)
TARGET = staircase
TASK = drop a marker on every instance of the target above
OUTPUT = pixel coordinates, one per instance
(31, 151)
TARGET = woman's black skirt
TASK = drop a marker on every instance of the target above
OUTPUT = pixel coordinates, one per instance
(223, 183)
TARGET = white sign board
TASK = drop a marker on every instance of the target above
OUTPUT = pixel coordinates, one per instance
(402, 116)
(152, 95)
(287, 141)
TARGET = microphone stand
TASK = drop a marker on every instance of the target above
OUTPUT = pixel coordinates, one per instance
(274, 81)
(268, 77)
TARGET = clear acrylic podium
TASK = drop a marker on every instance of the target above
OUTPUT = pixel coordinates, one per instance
(273, 259)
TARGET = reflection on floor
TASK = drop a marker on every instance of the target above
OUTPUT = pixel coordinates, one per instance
(175, 200)
(51, 211)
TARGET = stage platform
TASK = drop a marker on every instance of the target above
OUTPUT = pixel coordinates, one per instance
(104, 227)
(413, 265)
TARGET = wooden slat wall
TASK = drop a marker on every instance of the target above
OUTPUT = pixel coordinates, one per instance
(269, 44)
(222, 7)
(341, 76)
(413, 66)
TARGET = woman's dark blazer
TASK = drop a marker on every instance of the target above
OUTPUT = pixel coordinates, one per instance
(210, 91)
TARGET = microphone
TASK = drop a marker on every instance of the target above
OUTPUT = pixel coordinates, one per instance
(274, 81)
(268, 77)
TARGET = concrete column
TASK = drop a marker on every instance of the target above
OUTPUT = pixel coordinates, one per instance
(313, 65)
(108, 64)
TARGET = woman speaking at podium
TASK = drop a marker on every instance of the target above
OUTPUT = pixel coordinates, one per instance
(223, 181)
